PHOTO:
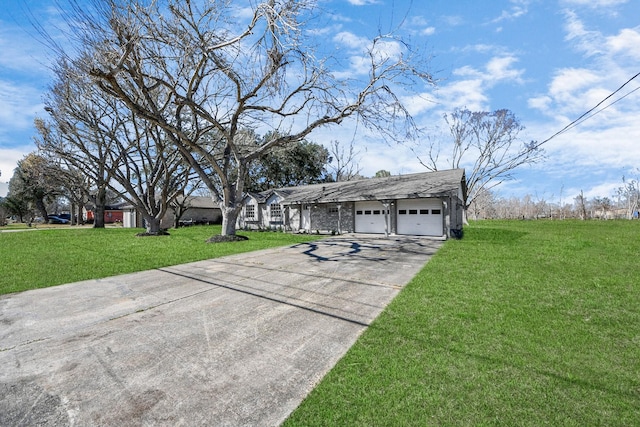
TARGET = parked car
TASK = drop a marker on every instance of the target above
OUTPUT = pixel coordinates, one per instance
(57, 220)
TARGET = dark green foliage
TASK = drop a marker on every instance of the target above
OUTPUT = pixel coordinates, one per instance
(299, 163)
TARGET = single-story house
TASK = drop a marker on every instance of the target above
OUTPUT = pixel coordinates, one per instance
(424, 204)
(199, 210)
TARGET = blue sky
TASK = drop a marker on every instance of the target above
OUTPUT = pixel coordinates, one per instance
(547, 61)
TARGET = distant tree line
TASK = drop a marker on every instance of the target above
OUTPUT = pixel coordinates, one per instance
(624, 203)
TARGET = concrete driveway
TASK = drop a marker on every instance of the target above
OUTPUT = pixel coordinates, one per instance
(239, 340)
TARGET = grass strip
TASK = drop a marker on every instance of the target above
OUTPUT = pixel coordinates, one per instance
(523, 323)
(41, 258)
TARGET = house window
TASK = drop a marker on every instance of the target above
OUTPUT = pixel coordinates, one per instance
(275, 211)
(413, 211)
(333, 209)
(424, 211)
(436, 211)
(367, 212)
(376, 212)
(358, 212)
(250, 211)
(402, 212)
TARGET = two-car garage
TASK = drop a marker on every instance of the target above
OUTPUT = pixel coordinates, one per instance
(421, 217)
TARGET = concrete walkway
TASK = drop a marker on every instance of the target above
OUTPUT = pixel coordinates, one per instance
(238, 340)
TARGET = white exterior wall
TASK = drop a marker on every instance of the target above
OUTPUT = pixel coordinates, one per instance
(292, 217)
(273, 222)
(129, 218)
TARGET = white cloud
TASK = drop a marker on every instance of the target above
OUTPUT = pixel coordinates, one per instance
(468, 90)
(612, 60)
(568, 80)
(485, 49)
(595, 3)
(626, 43)
(588, 41)
(541, 103)
(419, 103)
(351, 41)
(428, 31)
(453, 20)
(362, 2)
(500, 68)
(518, 9)
(20, 104)
(497, 69)
(19, 51)
(9, 158)
(362, 49)
(464, 93)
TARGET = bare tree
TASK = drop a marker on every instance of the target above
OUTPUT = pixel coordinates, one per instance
(486, 145)
(581, 205)
(602, 206)
(629, 196)
(94, 133)
(484, 205)
(75, 135)
(196, 70)
(344, 161)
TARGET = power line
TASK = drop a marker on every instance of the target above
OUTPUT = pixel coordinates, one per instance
(578, 121)
(584, 117)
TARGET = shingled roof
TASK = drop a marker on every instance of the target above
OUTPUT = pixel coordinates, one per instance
(412, 186)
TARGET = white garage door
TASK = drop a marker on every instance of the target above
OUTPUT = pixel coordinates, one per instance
(421, 217)
(369, 217)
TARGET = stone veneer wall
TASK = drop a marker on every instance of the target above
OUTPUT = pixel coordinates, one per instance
(323, 220)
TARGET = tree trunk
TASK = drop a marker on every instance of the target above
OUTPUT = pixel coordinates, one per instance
(40, 207)
(72, 217)
(465, 219)
(153, 225)
(176, 217)
(229, 219)
(98, 213)
(78, 214)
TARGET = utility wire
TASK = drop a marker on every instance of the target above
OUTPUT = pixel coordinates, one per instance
(584, 117)
(578, 121)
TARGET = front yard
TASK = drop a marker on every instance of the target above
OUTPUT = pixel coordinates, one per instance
(522, 323)
(40, 258)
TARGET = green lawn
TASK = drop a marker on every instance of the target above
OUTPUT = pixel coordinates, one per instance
(521, 323)
(40, 258)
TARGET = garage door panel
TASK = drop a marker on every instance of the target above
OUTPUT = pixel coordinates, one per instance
(369, 217)
(422, 217)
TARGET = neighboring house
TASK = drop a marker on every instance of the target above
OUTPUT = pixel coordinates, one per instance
(199, 210)
(112, 213)
(424, 204)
